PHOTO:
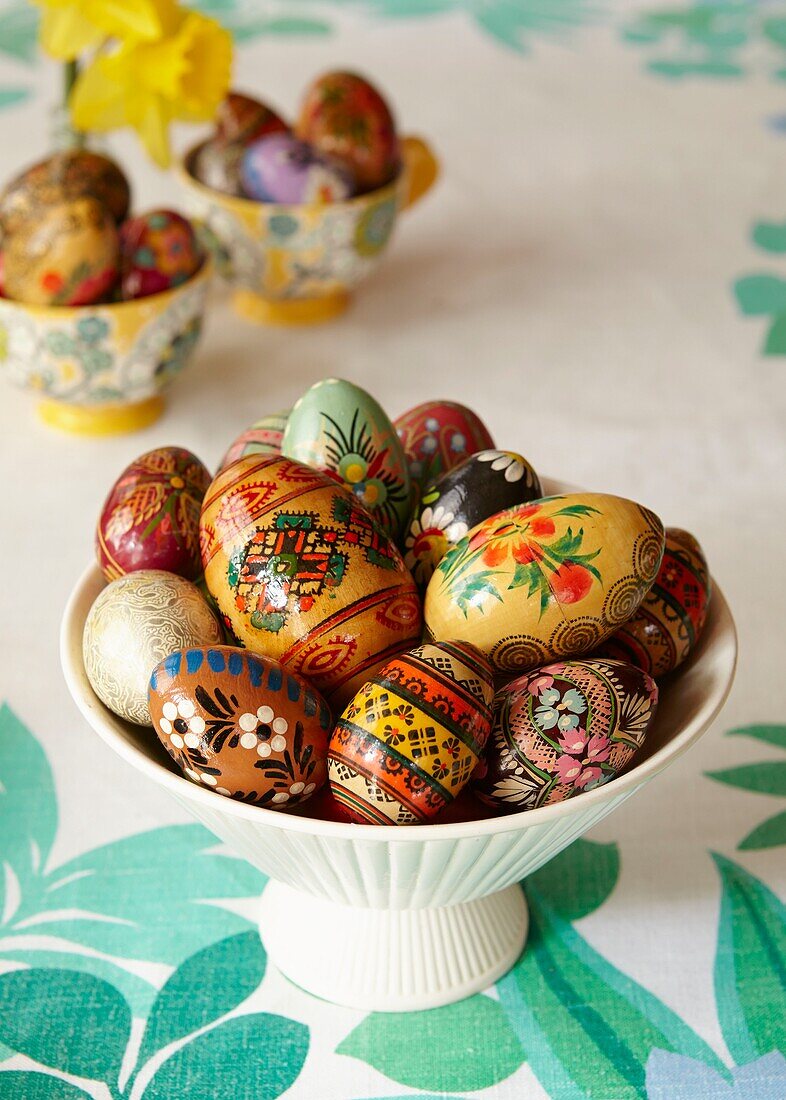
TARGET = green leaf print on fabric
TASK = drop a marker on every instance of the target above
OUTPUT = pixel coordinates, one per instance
(19, 31)
(771, 236)
(255, 1057)
(767, 777)
(750, 965)
(28, 1085)
(461, 1058)
(143, 897)
(205, 987)
(69, 1021)
(586, 1029)
(9, 96)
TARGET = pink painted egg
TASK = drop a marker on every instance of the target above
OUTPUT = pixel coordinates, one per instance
(345, 116)
(150, 520)
(436, 436)
(158, 250)
(563, 729)
(279, 168)
(240, 724)
(264, 437)
(66, 256)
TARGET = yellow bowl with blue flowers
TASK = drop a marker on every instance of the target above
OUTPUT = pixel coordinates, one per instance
(103, 369)
(299, 263)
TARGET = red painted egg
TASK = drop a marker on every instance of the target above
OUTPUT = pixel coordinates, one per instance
(67, 256)
(436, 436)
(671, 616)
(408, 742)
(150, 519)
(241, 725)
(264, 437)
(563, 729)
(158, 251)
(345, 116)
(242, 119)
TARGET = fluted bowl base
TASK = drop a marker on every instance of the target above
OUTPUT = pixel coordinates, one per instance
(384, 960)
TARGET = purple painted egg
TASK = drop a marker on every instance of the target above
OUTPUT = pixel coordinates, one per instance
(563, 729)
(282, 169)
(158, 251)
(150, 520)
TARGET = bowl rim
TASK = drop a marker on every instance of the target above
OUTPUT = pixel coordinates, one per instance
(97, 717)
(184, 173)
(202, 274)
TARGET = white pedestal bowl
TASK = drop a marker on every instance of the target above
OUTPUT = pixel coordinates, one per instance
(431, 913)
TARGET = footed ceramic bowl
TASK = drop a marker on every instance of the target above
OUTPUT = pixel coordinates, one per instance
(427, 914)
(298, 264)
(102, 369)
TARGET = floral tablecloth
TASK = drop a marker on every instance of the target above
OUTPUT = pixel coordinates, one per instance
(601, 273)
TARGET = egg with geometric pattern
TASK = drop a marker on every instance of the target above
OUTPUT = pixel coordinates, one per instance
(671, 617)
(264, 437)
(241, 724)
(563, 729)
(408, 742)
(303, 574)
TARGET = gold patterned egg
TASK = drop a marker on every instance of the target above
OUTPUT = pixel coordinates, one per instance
(68, 256)
(133, 624)
(563, 729)
(544, 580)
(303, 574)
(408, 742)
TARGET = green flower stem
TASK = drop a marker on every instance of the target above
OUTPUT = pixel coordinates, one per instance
(70, 76)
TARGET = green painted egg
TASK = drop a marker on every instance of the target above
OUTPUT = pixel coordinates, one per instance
(339, 428)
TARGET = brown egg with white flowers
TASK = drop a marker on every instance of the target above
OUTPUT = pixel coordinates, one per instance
(241, 724)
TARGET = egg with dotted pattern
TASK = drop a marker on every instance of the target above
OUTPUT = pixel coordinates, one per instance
(240, 724)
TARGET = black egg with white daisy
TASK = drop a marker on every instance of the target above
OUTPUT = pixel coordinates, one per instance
(478, 487)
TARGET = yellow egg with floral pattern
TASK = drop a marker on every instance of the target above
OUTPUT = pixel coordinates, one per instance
(544, 580)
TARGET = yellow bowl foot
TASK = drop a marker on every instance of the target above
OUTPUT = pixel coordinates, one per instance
(289, 311)
(101, 419)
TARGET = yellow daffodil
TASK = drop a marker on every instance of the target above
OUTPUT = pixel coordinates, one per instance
(149, 83)
(69, 27)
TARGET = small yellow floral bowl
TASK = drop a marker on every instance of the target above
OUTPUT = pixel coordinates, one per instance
(297, 264)
(102, 369)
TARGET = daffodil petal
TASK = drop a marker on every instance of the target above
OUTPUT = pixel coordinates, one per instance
(142, 19)
(97, 101)
(66, 33)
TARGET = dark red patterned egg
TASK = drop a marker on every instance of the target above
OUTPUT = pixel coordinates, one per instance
(150, 519)
(407, 743)
(241, 725)
(563, 729)
(345, 117)
(240, 118)
(671, 616)
(436, 436)
(158, 250)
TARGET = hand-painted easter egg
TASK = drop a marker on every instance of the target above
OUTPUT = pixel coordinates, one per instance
(671, 616)
(242, 119)
(216, 164)
(303, 574)
(241, 724)
(480, 486)
(563, 729)
(411, 737)
(345, 116)
(68, 256)
(158, 251)
(544, 580)
(279, 168)
(338, 427)
(63, 177)
(133, 624)
(264, 437)
(436, 436)
(150, 520)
